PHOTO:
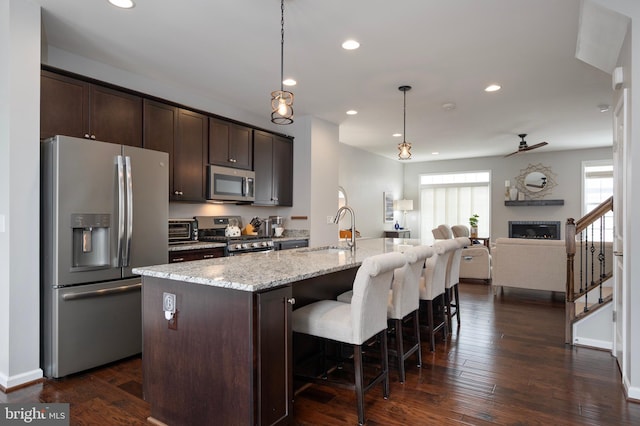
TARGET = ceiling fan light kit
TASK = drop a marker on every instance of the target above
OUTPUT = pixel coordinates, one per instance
(404, 148)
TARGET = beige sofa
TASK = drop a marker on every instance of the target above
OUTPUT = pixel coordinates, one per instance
(532, 264)
(536, 264)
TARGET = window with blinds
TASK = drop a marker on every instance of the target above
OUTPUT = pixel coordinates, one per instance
(451, 198)
(597, 186)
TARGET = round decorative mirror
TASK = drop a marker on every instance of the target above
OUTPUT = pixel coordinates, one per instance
(535, 181)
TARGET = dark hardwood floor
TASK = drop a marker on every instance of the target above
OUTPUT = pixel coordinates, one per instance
(506, 365)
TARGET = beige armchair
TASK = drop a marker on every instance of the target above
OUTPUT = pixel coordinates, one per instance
(476, 259)
(442, 232)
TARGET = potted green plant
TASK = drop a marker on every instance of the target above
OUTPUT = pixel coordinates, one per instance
(473, 225)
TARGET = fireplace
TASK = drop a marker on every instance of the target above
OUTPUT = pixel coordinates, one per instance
(543, 230)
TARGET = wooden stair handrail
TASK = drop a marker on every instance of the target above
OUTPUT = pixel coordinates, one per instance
(595, 214)
(572, 228)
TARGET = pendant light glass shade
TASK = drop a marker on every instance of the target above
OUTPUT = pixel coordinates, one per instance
(281, 100)
(405, 151)
(404, 147)
(281, 107)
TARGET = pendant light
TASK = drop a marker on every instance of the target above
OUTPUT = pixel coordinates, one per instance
(281, 100)
(404, 147)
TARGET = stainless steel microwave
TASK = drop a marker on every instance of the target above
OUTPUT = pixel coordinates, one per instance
(227, 184)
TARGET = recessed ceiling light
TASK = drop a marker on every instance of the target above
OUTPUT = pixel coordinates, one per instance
(448, 106)
(124, 4)
(289, 82)
(396, 135)
(352, 112)
(492, 88)
(350, 45)
(435, 153)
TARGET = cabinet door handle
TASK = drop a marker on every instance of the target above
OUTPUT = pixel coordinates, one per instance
(232, 160)
(177, 259)
(208, 256)
(291, 301)
(177, 192)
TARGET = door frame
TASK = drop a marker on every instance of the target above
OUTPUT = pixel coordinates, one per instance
(620, 147)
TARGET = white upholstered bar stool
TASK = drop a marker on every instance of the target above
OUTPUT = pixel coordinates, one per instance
(357, 322)
(432, 287)
(451, 295)
(404, 301)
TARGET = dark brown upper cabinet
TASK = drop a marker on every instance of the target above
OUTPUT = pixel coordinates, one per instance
(183, 135)
(189, 154)
(230, 144)
(273, 165)
(160, 131)
(78, 108)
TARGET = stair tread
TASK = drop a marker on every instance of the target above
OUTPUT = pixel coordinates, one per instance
(593, 303)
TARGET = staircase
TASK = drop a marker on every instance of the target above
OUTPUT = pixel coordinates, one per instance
(589, 288)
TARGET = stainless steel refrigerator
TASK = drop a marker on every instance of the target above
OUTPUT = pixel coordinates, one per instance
(104, 211)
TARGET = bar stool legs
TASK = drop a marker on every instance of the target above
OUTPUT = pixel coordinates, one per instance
(399, 352)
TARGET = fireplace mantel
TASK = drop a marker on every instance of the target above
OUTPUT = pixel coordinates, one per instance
(534, 203)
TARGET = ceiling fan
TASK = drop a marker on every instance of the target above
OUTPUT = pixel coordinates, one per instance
(524, 147)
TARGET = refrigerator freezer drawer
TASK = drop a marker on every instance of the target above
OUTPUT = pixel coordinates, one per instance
(90, 325)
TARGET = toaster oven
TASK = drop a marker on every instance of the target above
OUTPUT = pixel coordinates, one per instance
(183, 231)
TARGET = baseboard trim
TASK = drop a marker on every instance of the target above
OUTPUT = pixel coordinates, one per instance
(9, 384)
(593, 343)
(633, 392)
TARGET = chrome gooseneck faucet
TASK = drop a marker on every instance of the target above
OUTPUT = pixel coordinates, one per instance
(352, 243)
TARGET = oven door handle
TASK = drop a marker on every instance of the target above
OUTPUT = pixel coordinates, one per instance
(104, 292)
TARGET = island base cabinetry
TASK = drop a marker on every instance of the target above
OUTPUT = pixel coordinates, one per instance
(225, 358)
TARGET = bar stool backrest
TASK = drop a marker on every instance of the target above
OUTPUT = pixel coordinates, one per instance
(406, 282)
(433, 280)
(371, 294)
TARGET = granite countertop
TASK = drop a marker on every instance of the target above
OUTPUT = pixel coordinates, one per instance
(264, 270)
(288, 238)
(196, 245)
(201, 245)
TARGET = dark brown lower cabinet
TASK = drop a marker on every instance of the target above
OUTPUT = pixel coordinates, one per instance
(275, 373)
(224, 360)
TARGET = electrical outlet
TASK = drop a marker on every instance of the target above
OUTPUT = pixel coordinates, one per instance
(330, 220)
(170, 311)
(169, 302)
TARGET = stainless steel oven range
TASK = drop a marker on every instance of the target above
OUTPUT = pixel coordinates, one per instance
(216, 228)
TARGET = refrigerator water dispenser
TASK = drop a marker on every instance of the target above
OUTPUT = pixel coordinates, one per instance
(90, 241)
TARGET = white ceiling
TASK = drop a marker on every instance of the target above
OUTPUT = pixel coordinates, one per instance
(447, 50)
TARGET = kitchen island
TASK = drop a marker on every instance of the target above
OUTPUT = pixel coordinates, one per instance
(225, 355)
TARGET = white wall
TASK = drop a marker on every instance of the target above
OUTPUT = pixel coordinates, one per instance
(19, 192)
(631, 62)
(324, 182)
(566, 165)
(365, 177)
